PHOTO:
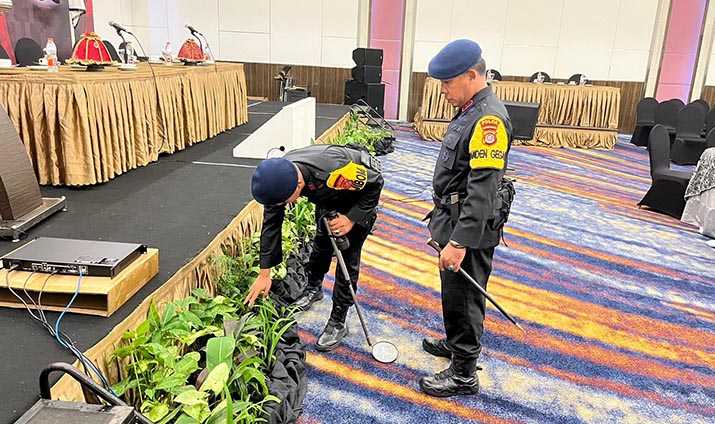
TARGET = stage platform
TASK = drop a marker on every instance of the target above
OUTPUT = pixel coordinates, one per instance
(177, 205)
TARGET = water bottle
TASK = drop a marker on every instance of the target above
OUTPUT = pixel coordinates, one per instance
(51, 56)
(207, 54)
(166, 53)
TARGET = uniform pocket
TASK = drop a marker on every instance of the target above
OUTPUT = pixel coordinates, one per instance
(448, 154)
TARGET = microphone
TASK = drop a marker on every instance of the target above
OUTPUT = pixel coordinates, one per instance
(119, 27)
(192, 29)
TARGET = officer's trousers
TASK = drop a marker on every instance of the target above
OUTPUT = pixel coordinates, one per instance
(320, 259)
(463, 306)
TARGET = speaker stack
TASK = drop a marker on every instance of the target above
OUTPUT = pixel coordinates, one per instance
(367, 83)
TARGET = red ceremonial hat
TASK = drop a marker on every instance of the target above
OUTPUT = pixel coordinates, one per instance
(190, 51)
(90, 51)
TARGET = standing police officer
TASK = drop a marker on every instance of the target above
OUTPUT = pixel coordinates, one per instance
(338, 179)
(471, 163)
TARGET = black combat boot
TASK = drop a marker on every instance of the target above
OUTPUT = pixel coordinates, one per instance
(311, 294)
(335, 331)
(459, 379)
(436, 347)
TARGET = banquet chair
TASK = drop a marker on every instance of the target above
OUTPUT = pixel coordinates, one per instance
(710, 121)
(703, 104)
(645, 120)
(666, 114)
(27, 51)
(546, 77)
(576, 78)
(112, 51)
(679, 103)
(667, 190)
(710, 139)
(496, 75)
(689, 145)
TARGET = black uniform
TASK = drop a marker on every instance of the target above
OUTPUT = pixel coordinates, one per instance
(337, 178)
(471, 163)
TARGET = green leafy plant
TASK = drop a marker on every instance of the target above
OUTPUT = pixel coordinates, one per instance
(204, 359)
(357, 132)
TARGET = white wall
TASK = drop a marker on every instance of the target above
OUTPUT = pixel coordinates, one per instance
(296, 32)
(603, 39)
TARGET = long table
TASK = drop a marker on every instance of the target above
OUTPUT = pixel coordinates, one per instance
(82, 128)
(570, 115)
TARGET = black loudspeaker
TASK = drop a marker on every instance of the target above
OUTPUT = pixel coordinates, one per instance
(369, 57)
(370, 93)
(296, 93)
(367, 73)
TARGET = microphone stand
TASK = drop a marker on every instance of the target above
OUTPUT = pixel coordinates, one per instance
(201, 46)
(124, 41)
(208, 47)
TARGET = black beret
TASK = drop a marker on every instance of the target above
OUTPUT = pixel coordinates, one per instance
(454, 59)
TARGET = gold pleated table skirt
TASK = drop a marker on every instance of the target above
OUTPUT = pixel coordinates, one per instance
(569, 116)
(82, 128)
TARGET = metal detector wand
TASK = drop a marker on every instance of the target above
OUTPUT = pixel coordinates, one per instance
(469, 278)
(346, 275)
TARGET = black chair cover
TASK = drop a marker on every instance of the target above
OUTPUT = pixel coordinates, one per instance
(112, 51)
(703, 104)
(666, 114)
(667, 190)
(496, 75)
(710, 139)
(679, 103)
(27, 51)
(689, 145)
(645, 120)
(576, 78)
(710, 121)
(546, 76)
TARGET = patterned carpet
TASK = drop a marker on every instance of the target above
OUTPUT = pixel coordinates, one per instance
(618, 304)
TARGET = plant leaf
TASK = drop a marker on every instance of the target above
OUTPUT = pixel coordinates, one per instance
(191, 397)
(199, 411)
(220, 350)
(216, 379)
(187, 419)
(157, 412)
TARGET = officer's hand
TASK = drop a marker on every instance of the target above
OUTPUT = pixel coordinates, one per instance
(261, 285)
(341, 225)
(451, 256)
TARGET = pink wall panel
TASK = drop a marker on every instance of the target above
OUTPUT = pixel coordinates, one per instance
(675, 66)
(672, 91)
(392, 92)
(386, 24)
(681, 47)
(386, 19)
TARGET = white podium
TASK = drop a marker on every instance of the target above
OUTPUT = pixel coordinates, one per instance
(291, 128)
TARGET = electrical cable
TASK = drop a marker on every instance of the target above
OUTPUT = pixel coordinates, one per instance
(158, 99)
(64, 340)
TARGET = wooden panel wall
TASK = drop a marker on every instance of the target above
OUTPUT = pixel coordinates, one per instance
(709, 95)
(631, 94)
(327, 84)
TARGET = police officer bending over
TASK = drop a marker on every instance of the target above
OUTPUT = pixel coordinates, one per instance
(338, 179)
(471, 163)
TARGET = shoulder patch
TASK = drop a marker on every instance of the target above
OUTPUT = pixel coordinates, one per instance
(350, 177)
(489, 143)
